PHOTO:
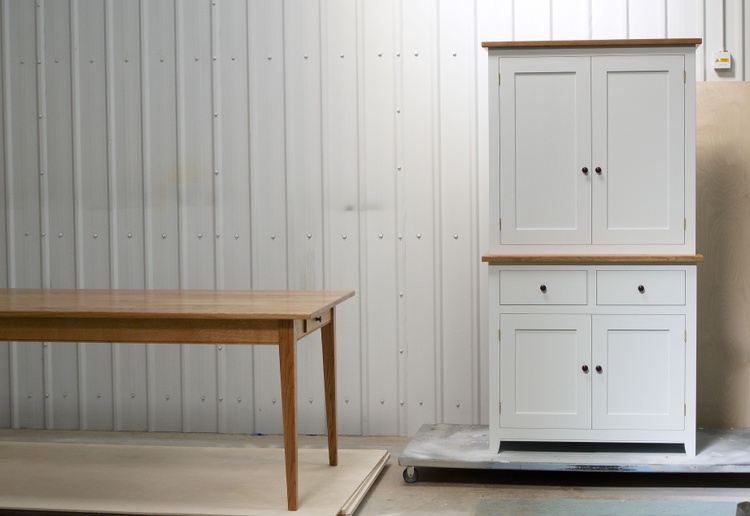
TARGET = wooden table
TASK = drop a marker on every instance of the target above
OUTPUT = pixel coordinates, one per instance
(191, 317)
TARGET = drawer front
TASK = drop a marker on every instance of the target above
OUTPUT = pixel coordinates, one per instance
(542, 287)
(648, 287)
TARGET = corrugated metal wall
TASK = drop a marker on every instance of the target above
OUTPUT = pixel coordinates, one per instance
(270, 144)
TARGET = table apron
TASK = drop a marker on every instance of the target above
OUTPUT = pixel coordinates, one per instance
(154, 330)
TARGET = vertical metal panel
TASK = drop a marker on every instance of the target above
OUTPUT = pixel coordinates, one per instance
(532, 19)
(22, 180)
(195, 114)
(126, 160)
(160, 230)
(341, 180)
(304, 189)
(236, 362)
(267, 189)
(609, 19)
(5, 372)
(419, 172)
(647, 19)
(571, 19)
(458, 221)
(95, 360)
(380, 289)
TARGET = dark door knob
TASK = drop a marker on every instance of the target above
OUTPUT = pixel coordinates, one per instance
(599, 369)
(598, 170)
(585, 170)
(641, 289)
(585, 369)
(543, 288)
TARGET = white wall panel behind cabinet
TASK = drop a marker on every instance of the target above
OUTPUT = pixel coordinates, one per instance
(271, 144)
(458, 229)
(419, 179)
(60, 361)
(341, 196)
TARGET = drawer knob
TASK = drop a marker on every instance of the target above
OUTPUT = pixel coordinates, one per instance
(598, 170)
(599, 369)
(585, 170)
(585, 369)
(543, 288)
(641, 289)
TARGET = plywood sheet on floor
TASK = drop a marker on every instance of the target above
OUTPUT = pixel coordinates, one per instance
(179, 479)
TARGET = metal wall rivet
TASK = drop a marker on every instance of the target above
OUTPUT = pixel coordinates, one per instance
(216, 172)
(214, 58)
(420, 403)
(60, 235)
(306, 56)
(203, 398)
(401, 351)
(236, 235)
(400, 237)
(200, 235)
(380, 54)
(221, 398)
(196, 58)
(41, 172)
(416, 54)
(398, 110)
(127, 60)
(380, 235)
(30, 395)
(341, 56)
(400, 294)
(401, 403)
(22, 61)
(130, 235)
(309, 235)
(273, 237)
(132, 395)
(44, 234)
(273, 401)
(218, 235)
(343, 236)
(239, 400)
(96, 235)
(398, 54)
(233, 58)
(91, 60)
(454, 54)
(221, 347)
(164, 235)
(216, 114)
(27, 233)
(98, 394)
(310, 400)
(168, 397)
(346, 400)
(46, 395)
(269, 58)
(458, 405)
(399, 167)
(382, 402)
(45, 344)
(40, 116)
(65, 394)
(419, 235)
(39, 61)
(161, 59)
(455, 235)
(57, 60)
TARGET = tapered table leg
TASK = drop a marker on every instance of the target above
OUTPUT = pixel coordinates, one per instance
(288, 364)
(328, 334)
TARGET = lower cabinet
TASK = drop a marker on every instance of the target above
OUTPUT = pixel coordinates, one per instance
(577, 367)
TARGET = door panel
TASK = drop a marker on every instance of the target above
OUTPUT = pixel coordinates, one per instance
(545, 141)
(642, 382)
(638, 105)
(542, 383)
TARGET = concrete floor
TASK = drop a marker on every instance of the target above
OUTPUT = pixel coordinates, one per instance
(448, 492)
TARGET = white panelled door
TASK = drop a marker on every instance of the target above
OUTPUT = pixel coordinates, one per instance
(545, 370)
(638, 372)
(545, 150)
(638, 105)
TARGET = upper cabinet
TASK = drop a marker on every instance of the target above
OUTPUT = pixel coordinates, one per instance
(594, 147)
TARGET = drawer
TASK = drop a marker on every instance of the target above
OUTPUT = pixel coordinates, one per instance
(543, 287)
(647, 287)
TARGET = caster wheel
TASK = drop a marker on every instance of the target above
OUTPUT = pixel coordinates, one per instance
(410, 475)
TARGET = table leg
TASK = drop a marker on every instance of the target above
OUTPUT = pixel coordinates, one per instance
(288, 364)
(328, 334)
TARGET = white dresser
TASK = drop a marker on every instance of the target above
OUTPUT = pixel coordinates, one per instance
(592, 259)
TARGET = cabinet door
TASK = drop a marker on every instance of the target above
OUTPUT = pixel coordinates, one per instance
(641, 384)
(545, 142)
(638, 105)
(542, 379)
